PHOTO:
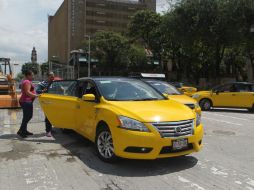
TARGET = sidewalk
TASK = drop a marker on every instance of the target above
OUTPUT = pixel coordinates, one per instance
(38, 163)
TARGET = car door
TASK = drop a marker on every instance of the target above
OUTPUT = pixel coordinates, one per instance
(224, 96)
(86, 120)
(60, 104)
(244, 96)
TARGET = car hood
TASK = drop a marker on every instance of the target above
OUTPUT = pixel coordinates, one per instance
(182, 99)
(153, 111)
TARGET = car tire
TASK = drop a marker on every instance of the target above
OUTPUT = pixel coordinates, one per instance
(252, 109)
(205, 104)
(104, 145)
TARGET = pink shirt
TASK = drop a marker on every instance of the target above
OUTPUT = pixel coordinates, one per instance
(24, 97)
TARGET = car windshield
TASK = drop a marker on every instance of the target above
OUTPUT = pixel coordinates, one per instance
(164, 87)
(127, 90)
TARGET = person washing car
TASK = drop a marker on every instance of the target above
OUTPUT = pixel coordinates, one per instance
(42, 87)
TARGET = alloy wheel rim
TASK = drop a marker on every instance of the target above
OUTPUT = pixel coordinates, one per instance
(105, 144)
(207, 105)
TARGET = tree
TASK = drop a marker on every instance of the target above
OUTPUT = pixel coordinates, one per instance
(30, 66)
(137, 58)
(19, 77)
(146, 26)
(111, 49)
(198, 33)
(44, 68)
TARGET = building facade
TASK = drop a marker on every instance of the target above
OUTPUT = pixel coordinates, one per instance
(77, 18)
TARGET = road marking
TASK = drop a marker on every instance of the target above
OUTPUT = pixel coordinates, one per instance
(190, 184)
(216, 171)
(229, 116)
(222, 121)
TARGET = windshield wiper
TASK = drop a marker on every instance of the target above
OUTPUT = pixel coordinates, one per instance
(146, 99)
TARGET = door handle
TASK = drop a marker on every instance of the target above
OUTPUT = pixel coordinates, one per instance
(47, 102)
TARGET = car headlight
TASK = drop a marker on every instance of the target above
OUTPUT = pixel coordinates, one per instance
(195, 96)
(131, 124)
(198, 119)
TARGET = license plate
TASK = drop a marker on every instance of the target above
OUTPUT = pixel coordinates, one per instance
(180, 144)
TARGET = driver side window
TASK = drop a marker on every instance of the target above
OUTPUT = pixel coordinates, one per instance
(227, 88)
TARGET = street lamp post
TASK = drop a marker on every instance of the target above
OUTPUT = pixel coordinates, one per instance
(89, 54)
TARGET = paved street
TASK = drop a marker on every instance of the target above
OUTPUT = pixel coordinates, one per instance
(68, 161)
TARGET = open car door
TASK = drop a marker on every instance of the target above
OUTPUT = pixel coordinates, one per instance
(60, 104)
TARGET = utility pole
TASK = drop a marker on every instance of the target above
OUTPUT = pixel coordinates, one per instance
(89, 54)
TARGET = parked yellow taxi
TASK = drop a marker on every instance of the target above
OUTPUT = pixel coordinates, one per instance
(231, 95)
(174, 94)
(185, 88)
(124, 118)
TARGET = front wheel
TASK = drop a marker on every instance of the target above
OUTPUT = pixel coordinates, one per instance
(252, 109)
(104, 146)
(205, 104)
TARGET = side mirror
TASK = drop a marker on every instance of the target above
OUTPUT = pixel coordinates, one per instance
(216, 92)
(88, 97)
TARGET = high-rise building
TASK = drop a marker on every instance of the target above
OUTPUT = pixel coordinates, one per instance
(77, 18)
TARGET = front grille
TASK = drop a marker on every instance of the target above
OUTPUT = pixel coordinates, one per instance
(175, 129)
(191, 106)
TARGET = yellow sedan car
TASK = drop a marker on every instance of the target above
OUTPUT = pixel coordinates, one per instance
(124, 118)
(174, 94)
(185, 88)
(231, 95)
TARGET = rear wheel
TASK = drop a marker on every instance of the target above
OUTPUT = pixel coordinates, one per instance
(104, 145)
(205, 104)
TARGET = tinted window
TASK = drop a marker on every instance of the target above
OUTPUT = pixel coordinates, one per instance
(65, 88)
(242, 88)
(226, 88)
(127, 90)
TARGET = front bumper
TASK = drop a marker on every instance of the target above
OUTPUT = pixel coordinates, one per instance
(155, 146)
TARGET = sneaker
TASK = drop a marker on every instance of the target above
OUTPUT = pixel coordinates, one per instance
(48, 134)
(28, 133)
(21, 134)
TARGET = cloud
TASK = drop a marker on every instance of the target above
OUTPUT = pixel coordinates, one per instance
(23, 24)
(3, 4)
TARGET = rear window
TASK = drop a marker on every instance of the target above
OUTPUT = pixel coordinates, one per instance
(65, 88)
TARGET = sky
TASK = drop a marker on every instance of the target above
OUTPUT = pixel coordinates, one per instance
(24, 24)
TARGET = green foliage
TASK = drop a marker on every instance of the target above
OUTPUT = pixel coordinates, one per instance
(116, 54)
(19, 77)
(44, 68)
(146, 26)
(198, 34)
(30, 66)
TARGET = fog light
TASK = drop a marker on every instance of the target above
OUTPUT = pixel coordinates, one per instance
(138, 149)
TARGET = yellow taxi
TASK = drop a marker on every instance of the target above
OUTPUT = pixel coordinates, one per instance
(231, 95)
(174, 94)
(184, 88)
(124, 118)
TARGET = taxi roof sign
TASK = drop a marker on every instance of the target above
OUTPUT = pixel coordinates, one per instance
(153, 75)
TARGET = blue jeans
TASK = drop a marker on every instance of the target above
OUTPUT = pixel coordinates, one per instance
(27, 108)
